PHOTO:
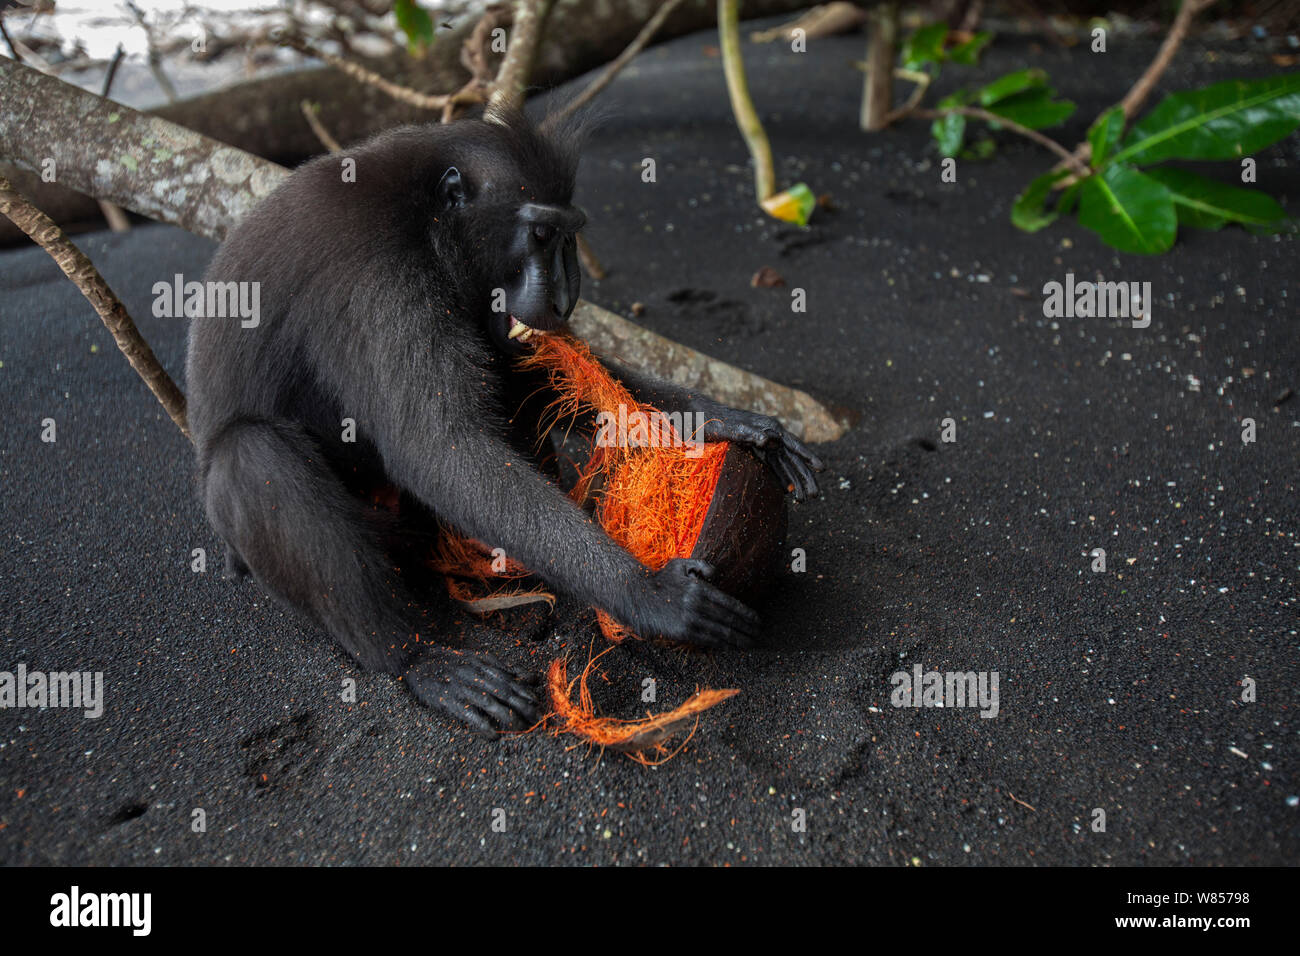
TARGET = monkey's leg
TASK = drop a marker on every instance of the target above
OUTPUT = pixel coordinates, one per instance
(286, 517)
(272, 498)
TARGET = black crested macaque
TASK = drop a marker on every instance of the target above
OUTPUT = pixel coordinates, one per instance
(381, 302)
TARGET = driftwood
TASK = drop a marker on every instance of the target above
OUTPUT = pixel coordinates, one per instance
(175, 175)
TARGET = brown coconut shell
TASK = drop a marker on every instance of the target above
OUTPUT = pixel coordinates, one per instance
(743, 535)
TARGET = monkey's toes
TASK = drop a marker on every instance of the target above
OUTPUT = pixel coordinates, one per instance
(475, 689)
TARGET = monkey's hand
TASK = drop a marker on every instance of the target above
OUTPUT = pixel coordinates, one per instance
(474, 688)
(792, 460)
(684, 607)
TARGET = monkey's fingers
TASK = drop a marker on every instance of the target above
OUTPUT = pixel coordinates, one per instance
(710, 633)
(698, 567)
(452, 703)
(510, 702)
(508, 676)
(785, 471)
(807, 480)
(801, 451)
(475, 689)
(727, 618)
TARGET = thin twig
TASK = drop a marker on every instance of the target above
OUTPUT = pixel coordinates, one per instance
(475, 57)
(1187, 11)
(86, 277)
(22, 53)
(1019, 801)
(113, 214)
(403, 94)
(1046, 141)
(155, 58)
(587, 256)
(823, 20)
(636, 46)
(1140, 90)
(309, 111)
(112, 70)
(922, 80)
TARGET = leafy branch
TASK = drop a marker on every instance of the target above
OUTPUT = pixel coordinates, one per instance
(1131, 207)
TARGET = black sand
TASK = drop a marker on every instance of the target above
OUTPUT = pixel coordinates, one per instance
(1118, 691)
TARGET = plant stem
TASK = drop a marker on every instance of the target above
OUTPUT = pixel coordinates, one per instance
(976, 112)
(741, 105)
(878, 87)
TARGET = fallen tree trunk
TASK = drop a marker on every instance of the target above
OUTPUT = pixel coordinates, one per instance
(174, 175)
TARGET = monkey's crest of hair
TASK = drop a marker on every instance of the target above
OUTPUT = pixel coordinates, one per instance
(551, 148)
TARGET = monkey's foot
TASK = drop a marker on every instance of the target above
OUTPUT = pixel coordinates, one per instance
(474, 688)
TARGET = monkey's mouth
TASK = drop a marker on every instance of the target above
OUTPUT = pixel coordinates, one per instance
(514, 336)
(521, 333)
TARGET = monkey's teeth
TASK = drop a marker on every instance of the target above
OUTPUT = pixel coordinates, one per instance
(520, 331)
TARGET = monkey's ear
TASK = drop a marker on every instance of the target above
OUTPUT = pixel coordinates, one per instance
(451, 189)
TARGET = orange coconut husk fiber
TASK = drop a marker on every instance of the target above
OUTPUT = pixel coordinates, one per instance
(655, 494)
(460, 559)
(637, 738)
(656, 491)
(653, 497)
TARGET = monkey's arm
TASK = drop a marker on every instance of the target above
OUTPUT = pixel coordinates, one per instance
(791, 460)
(435, 446)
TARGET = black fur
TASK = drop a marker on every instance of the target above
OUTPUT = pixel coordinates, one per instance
(376, 305)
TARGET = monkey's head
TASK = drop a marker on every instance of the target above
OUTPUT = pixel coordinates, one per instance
(509, 200)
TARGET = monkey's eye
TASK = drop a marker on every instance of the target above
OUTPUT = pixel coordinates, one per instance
(543, 231)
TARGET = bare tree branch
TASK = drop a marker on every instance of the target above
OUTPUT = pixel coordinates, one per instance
(177, 176)
(636, 46)
(512, 79)
(86, 277)
(403, 94)
(113, 214)
(1140, 90)
(309, 113)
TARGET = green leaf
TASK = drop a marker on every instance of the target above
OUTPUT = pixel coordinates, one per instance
(962, 97)
(968, 53)
(1104, 134)
(948, 132)
(1223, 121)
(982, 148)
(1034, 108)
(925, 46)
(415, 22)
(1129, 210)
(1069, 198)
(1208, 204)
(1010, 85)
(1029, 211)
